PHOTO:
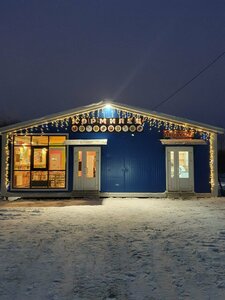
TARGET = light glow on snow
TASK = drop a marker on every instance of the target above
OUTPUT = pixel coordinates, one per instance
(125, 248)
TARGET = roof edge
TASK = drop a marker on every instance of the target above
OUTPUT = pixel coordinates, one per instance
(176, 119)
(100, 104)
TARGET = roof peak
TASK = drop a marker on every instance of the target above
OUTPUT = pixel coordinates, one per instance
(101, 104)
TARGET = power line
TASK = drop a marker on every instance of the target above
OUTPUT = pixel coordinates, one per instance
(189, 81)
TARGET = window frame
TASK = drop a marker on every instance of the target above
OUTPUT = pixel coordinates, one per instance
(48, 188)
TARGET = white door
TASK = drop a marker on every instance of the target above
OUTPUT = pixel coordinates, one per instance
(180, 169)
(86, 168)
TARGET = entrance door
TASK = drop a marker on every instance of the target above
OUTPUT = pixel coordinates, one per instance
(180, 169)
(86, 168)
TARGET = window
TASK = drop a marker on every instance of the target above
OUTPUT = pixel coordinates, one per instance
(79, 163)
(39, 179)
(172, 164)
(21, 179)
(22, 158)
(40, 140)
(57, 179)
(183, 164)
(22, 140)
(91, 164)
(39, 162)
(56, 140)
(57, 158)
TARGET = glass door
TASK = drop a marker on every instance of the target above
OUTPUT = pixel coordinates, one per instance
(180, 169)
(39, 167)
(86, 168)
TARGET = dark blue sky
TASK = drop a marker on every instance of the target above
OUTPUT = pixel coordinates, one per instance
(60, 54)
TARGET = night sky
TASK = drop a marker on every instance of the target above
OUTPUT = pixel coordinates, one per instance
(60, 54)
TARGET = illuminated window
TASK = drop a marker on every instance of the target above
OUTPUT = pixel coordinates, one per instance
(57, 158)
(40, 140)
(172, 164)
(39, 179)
(183, 164)
(39, 162)
(57, 179)
(40, 158)
(22, 158)
(79, 163)
(22, 140)
(21, 179)
(57, 140)
(91, 164)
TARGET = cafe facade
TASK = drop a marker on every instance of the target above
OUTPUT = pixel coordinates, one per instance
(109, 149)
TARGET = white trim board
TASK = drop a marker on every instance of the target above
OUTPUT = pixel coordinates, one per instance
(132, 195)
(86, 142)
(182, 142)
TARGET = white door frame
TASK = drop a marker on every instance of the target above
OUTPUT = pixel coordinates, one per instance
(177, 182)
(81, 180)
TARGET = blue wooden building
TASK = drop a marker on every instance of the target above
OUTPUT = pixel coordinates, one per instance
(109, 149)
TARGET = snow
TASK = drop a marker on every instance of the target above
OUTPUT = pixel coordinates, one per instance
(121, 249)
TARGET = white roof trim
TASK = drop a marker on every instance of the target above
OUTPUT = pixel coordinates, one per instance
(101, 105)
(86, 142)
(182, 142)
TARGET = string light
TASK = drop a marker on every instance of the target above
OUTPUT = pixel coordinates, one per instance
(212, 160)
(7, 159)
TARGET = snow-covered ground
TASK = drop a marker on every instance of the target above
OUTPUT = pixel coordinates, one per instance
(122, 249)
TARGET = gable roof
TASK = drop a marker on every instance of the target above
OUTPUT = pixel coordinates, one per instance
(115, 105)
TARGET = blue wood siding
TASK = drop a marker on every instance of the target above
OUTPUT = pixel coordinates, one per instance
(131, 163)
(201, 169)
